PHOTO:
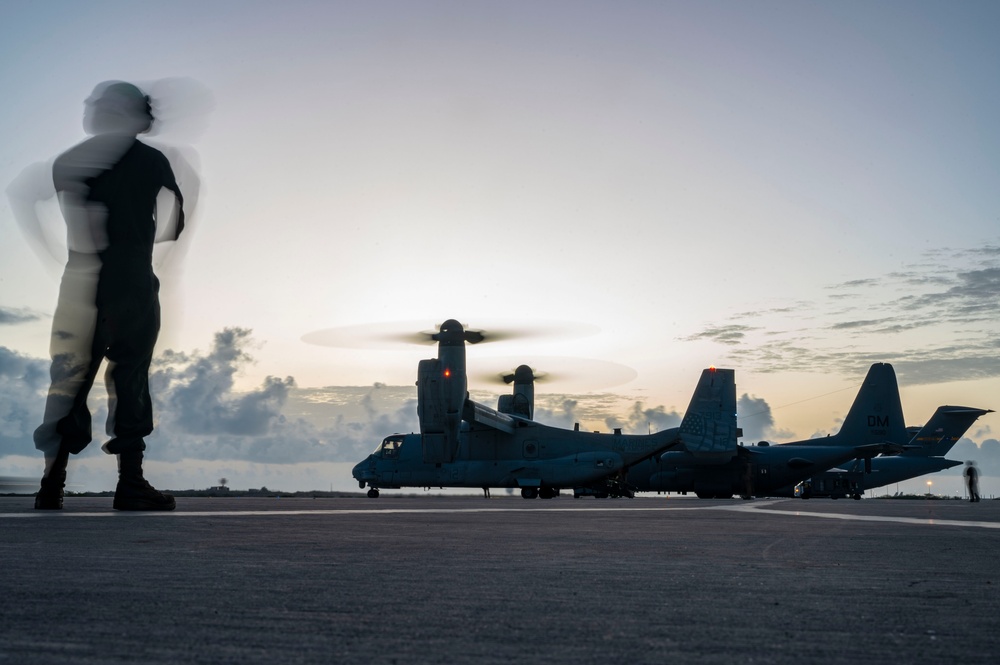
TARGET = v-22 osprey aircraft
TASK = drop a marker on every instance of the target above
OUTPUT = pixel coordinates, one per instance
(462, 443)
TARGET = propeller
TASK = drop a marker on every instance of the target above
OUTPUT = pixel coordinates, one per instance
(580, 373)
(522, 374)
(452, 330)
(391, 334)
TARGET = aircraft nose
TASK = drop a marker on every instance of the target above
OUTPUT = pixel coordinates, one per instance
(362, 471)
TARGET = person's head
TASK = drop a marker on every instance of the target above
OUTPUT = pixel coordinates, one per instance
(117, 107)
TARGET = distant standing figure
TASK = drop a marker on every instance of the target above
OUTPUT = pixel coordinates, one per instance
(108, 304)
(972, 480)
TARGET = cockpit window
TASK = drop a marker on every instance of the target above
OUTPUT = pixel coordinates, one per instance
(390, 447)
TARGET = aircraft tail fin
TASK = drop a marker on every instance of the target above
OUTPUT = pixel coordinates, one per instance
(877, 415)
(709, 424)
(943, 430)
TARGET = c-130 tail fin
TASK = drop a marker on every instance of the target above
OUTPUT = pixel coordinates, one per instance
(709, 425)
(876, 415)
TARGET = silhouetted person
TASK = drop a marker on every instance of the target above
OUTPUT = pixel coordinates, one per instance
(971, 474)
(108, 303)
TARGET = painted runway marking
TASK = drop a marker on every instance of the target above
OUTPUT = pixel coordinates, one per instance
(751, 508)
(344, 511)
(865, 518)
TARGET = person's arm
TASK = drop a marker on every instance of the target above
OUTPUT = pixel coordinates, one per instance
(181, 180)
(32, 187)
(179, 172)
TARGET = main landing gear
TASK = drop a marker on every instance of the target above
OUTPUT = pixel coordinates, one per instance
(373, 493)
(539, 492)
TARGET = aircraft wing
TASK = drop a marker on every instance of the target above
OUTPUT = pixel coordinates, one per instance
(484, 415)
(873, 449)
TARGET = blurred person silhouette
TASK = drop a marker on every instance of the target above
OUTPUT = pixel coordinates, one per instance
(108, 306)
(971, 474)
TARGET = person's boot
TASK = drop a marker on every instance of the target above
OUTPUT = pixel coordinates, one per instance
(133, 492)
(50, 493)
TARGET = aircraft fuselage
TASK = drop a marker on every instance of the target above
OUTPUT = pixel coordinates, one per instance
(533, 456)
(853, 481)
(755, 470)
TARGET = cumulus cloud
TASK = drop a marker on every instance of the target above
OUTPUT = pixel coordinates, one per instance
(565, 410)
(756, 419)
(643, 420)
(23, 383)
(196, 392)
(986, 455)
(202, 417)
(558, 412)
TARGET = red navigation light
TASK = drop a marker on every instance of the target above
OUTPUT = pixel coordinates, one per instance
(447, 373)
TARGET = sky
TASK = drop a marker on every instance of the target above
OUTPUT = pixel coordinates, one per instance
(792, 189)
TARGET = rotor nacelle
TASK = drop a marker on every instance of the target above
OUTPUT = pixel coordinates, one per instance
(522, 401)
(442, 389)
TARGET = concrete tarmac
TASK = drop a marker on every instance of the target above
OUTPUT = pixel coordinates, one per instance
(425, 579)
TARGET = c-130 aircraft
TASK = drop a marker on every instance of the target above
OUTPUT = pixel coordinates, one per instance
(874, 425)
(925, 453)
(462, 443)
